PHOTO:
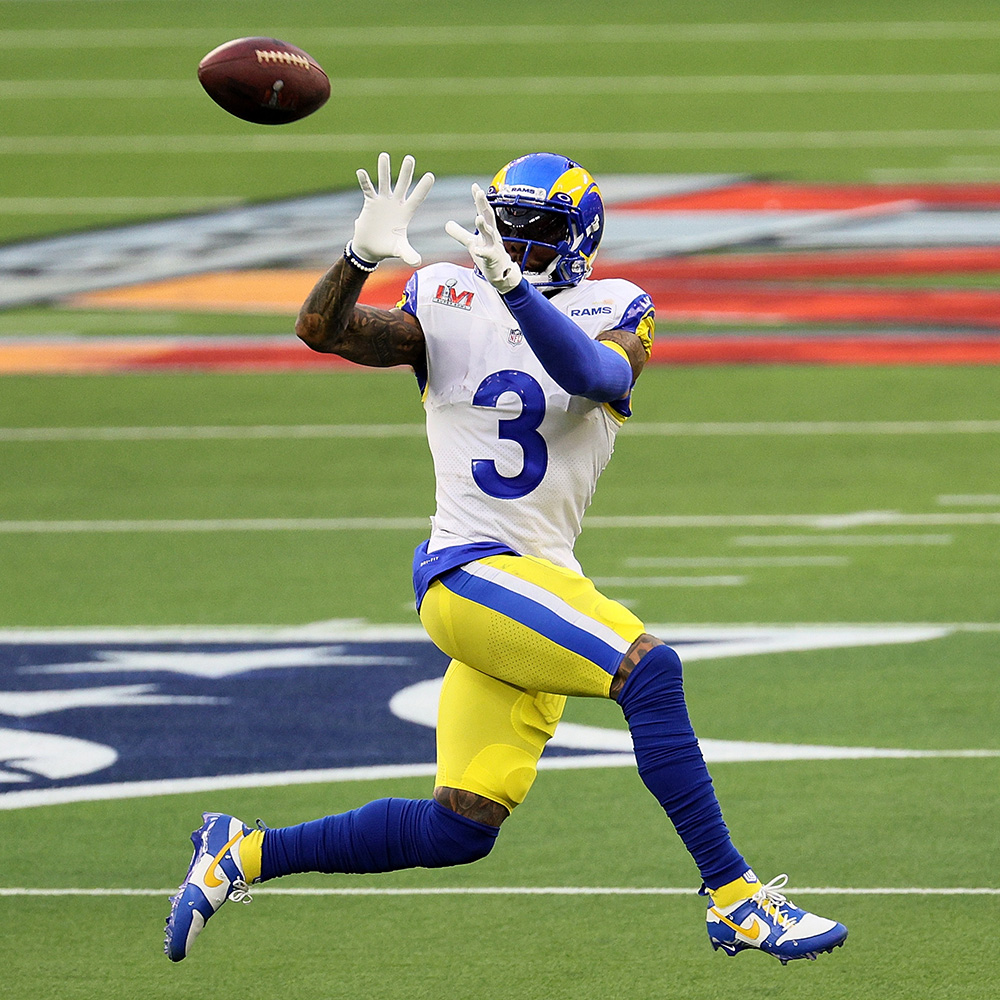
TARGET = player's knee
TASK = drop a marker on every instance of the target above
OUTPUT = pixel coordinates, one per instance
(658, 674)
(664, 660)
(651, 656)
(454, 839)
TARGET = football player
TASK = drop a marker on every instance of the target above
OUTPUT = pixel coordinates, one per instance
(526, 367)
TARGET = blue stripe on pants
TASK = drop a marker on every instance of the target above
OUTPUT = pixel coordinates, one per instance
(539, 618)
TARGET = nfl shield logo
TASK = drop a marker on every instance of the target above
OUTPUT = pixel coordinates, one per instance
(514, 337)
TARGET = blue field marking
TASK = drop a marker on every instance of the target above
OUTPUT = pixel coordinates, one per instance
(112, 713)
(179, 710)
(75, 713)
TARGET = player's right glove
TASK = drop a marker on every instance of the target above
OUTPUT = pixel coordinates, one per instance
(380, 229)
(486, 247)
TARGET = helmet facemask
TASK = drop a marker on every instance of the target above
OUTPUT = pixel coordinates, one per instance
(537, 238)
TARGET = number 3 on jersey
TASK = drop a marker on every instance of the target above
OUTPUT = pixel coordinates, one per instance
(522, 429)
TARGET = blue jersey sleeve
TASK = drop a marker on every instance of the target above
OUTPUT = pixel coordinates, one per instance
(583, 367)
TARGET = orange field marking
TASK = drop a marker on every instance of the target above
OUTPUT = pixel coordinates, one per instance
(260, 291)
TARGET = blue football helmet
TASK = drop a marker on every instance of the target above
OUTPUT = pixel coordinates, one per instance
(546, 201)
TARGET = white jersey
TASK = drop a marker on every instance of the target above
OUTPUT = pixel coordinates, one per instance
(516, 457)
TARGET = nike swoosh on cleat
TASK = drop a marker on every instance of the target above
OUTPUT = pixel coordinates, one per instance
(210, 879)
(752, 932)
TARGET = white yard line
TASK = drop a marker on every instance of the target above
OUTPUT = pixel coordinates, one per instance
(736, 562)
(791, 428)
(218, 524)
(559, 890)
(818, 521)
(813, 427)
(110, 205)
(669, 581)
(222, 433)
(822, 521)
(361, 630)
(810, 83)
(116, 145)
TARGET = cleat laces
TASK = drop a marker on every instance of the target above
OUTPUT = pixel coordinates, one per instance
(240, 892)
(771, 900)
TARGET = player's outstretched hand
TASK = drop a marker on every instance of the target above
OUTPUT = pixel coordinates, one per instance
(486, 247)
(380, 229)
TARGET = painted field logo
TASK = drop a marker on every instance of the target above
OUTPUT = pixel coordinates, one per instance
(447, 295)
(122, 708)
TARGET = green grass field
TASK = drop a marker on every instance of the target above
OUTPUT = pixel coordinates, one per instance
(855, 824)
(105, 121)
(848, 92)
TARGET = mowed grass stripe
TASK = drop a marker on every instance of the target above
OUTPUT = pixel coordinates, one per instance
(904, 83)
(456, 35)
(52, 145)
(559, 890)
(696, 429)
(224, 433)
(806, 541)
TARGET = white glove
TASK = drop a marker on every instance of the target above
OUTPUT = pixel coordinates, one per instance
(485, 247)
(380, 229)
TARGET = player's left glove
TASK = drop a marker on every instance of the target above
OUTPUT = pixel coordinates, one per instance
(486, 247)
(380, 229)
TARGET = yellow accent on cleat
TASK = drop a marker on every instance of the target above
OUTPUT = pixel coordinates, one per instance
(732, 892)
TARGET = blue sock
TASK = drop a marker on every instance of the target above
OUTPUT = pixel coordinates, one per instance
(382, 836)
(672, 767)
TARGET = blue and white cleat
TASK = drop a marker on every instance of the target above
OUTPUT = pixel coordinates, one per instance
(214, 875)
(770, 922)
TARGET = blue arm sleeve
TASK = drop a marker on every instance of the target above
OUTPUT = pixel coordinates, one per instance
(583, 367)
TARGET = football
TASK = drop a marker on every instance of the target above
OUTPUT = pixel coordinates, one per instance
(264, 80)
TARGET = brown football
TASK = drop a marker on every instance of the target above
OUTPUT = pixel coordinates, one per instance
(264, 80)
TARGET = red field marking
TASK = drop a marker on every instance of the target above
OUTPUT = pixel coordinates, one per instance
(261, 355)
(775, 196)
(821, 264)
(746, 302)
(736, 350)
(249, 356)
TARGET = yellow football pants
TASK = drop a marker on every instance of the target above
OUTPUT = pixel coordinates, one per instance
(523, 634)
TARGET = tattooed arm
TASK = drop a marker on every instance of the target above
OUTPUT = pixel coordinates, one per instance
(332, 322)
(632, 346)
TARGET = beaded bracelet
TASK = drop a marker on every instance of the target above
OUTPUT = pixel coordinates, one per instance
(352, 258)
